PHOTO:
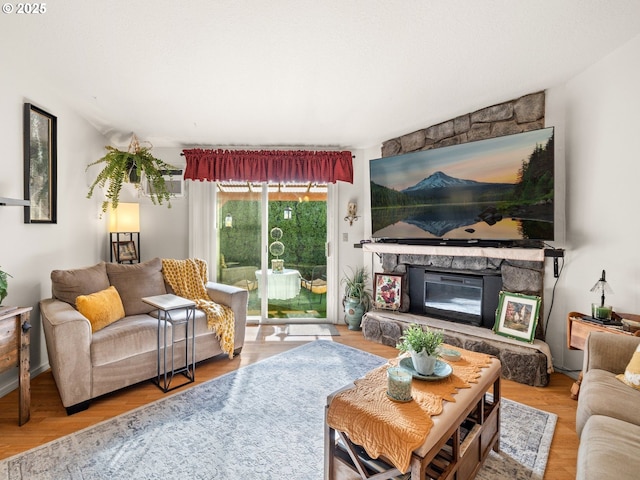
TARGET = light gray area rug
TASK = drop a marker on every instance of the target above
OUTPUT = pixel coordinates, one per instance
(525, 441)
(264, 421)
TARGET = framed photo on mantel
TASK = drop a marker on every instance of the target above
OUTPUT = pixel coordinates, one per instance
(40, 165)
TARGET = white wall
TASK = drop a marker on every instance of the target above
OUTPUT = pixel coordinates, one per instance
(602, 169)
(163, 230)
(30, 251)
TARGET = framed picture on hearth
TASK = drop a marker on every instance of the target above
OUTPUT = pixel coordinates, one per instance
(517, 316)
(388, 288)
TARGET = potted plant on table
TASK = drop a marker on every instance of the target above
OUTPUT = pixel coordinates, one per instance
(423, 345)
(128, 167)
(357, 297)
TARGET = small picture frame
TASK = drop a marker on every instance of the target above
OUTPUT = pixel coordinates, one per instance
(388, 288)
(125, 251)
(517, 316)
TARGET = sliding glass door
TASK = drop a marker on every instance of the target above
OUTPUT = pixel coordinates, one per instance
(272, 241)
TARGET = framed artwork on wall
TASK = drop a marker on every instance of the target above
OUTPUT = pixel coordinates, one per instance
(388, 288)
(517, 316)
(40, 165)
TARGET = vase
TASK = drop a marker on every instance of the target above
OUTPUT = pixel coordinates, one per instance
(353, 312)
(422, 363)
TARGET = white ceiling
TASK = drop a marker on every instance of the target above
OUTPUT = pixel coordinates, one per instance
(346, 73)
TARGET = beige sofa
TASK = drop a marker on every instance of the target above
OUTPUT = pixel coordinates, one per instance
(86, 365)
(608, 415)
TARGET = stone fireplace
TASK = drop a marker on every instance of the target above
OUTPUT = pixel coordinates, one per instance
(516, 275)
(509, 269)
(520, 270)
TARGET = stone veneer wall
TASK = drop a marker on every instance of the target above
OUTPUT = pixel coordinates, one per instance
(514, 116)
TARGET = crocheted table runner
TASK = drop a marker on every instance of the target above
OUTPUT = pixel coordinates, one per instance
(391, 429)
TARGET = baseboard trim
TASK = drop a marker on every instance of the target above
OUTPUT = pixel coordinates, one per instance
(13, 384)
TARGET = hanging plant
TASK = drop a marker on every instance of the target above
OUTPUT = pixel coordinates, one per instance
(129, 167)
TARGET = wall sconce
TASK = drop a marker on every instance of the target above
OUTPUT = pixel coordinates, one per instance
(228, 221)
(287, 213)
(352, 209)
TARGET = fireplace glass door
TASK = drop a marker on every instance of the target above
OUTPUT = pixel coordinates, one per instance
(458, 297)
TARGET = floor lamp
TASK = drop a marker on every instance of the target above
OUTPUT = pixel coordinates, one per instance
(124, 233)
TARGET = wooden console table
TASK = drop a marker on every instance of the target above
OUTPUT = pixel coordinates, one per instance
(577, 332)
(14, 352)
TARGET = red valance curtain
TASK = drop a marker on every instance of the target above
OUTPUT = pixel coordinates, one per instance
(268, 165)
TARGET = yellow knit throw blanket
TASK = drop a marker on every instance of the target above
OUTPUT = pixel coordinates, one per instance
(188, 278)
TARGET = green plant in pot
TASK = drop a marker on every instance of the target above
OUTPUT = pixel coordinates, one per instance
(129, 166)
(357, 297)
(4, 284)
(423, 344)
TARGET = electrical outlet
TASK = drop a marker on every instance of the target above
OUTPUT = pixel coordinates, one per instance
(345, 237)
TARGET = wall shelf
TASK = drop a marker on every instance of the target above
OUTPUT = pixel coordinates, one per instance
(8, 202)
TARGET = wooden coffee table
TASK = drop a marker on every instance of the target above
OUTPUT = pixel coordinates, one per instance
(455, 448)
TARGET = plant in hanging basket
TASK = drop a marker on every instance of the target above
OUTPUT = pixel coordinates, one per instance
(128, 167)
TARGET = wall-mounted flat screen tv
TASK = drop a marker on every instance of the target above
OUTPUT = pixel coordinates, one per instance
(499, 189)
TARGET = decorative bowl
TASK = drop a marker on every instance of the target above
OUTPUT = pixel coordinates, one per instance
(450, 355)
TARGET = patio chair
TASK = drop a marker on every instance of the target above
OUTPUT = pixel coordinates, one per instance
(317, 284)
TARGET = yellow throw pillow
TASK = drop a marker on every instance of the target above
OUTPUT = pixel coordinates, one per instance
(101, 308)
(631, 376)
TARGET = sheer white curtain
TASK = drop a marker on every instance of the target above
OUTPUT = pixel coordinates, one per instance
(202, 223)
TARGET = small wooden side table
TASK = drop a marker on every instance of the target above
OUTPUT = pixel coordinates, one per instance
(14, 352)
(577, 332)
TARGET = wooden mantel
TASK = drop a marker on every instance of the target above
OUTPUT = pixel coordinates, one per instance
(527, 254)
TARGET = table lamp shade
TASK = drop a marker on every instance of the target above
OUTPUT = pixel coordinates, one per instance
(125, 218)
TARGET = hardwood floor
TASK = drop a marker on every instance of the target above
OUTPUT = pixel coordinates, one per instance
(50, 421)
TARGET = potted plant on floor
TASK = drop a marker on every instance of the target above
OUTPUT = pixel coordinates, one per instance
(128, 167)
(357, 297)
(423, 345)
